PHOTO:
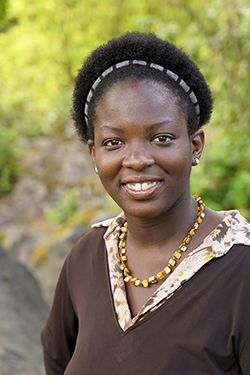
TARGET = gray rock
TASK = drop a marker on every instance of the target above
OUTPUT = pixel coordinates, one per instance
(19, 241)
(8, 214)
(47, 273)
(52, 167)
(22, 315)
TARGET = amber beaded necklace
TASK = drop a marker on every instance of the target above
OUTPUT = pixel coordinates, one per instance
(161, 276)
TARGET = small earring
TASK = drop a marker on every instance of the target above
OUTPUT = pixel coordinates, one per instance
(96, 170)
(196, 161)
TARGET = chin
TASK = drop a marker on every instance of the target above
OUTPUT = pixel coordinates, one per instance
(144, 213)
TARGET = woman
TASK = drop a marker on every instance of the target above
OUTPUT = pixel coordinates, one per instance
(164, 287)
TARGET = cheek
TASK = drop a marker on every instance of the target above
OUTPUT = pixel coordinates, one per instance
(178, 165)
(176, 157)
(184, 163)
(107, 166)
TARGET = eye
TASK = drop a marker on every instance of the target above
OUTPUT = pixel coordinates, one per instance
(112, 142)
(162, 138)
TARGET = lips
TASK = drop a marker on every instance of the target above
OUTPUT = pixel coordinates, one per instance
(141, 190)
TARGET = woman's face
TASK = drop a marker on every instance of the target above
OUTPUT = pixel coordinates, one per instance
(142, 149)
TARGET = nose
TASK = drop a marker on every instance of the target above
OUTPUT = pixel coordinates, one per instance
(138, 157)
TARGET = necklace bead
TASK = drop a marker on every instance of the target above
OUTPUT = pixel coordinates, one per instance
(161, 276)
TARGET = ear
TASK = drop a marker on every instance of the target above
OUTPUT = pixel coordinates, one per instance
(197, 144)
(91, 149)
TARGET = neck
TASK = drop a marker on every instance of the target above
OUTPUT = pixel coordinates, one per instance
(167, 229)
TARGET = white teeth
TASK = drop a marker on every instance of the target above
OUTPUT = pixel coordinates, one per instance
(143, 186)
(146, 185)
(137, 187)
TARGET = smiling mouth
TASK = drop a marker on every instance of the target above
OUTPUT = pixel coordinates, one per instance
(141, 186)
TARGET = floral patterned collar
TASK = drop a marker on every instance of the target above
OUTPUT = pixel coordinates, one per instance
(233, 229)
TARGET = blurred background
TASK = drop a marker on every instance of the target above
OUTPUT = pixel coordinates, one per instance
(49, 193)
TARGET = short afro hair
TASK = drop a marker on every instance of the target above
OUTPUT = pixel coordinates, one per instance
(151, 49)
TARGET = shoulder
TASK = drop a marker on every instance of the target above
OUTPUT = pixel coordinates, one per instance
(85, 260)
(234, 229)
(235, 226)
(242, 253)
(231, 270)
(92, 247)
(89, 243)
(240, 259)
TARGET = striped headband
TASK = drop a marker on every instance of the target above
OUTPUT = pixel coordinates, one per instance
(169, 73)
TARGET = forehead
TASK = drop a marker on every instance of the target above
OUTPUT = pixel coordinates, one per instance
(138, 109)
(137, 99)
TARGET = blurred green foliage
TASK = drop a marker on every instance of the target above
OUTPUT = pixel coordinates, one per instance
(3, 6)
(46, 41)
(5, 22)
(9, 160)
(64, 208)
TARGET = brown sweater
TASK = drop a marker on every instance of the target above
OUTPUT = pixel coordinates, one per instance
(203, 329)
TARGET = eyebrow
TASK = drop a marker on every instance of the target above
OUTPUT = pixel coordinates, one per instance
(121, 131)
(159, 124)
(113, 128)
